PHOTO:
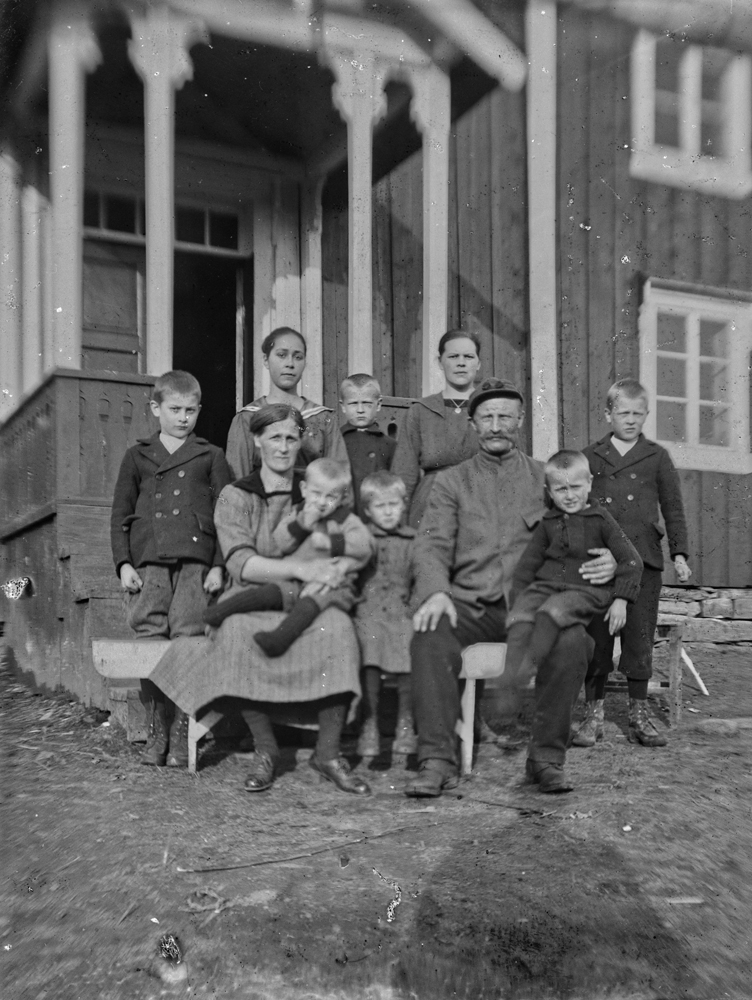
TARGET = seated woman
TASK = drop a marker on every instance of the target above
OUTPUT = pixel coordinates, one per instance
(284, 354)
(321, 667)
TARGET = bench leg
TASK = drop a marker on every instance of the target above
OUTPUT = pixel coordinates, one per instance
(466, 725)
(675, 676)
(196, 729)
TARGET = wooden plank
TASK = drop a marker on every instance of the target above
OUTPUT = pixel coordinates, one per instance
(686, 236)
(691, 485)
(473, 183)
(573, 209)
(714, 240)
(334, 277)
(601, 220)
(83, 536)
(739, 500)
(383, 320)
(453, 291)
(510, 317)
(407, 275)
(714, 514)
(628, 219)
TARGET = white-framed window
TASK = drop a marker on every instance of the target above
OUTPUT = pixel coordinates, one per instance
(695, 347)
(691, 116)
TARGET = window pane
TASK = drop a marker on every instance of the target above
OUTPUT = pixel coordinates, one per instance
(714, 381)
(668, 52)
(91, 209)
(671, 333)
(714, 425)
(120, 214)
(671, 380)
(223, 230)
(714, 64)
(189, 225)
(671, 421)
(713, 339)
(667, 119)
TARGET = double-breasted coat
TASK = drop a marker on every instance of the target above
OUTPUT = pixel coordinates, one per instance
(163, 506)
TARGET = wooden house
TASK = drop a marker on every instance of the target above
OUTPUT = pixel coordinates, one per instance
(178, 178)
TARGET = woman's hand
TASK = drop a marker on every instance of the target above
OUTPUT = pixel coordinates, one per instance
(330, 572)
(601, 570)
(214, 580)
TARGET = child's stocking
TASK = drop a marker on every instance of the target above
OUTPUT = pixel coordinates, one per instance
(265, 598)
(279, 640)
(371, 691)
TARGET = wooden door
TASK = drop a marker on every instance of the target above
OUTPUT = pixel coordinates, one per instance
(114, 307)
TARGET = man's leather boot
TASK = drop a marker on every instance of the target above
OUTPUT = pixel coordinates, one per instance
(178, 753)
(155, 752)
(641, 726)
(591, 727)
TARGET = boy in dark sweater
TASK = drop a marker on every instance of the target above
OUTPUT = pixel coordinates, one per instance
(163, 540)
(368, 448)
(637, 480)
(548, 592)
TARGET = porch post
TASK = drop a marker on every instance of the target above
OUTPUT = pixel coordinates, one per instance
(430, 110)
(540, 36)
(73, 51)
(311, 288)
(10, 290)
(359, 97)
(32, 364)
(159, 51)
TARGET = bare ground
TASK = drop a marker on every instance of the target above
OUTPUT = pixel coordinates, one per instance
(634, 886)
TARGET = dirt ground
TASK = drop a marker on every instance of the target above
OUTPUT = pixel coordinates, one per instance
(636, 885)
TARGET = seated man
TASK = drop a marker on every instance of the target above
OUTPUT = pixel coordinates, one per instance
(479, 520)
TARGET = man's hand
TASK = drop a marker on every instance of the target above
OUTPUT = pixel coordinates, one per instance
(616, 615)
(428, 615)
(214, 580)
(682, 569)
(129, 579)
(601, 570)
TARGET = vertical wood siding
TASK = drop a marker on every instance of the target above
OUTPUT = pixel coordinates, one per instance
(487, 281)
(613, 232)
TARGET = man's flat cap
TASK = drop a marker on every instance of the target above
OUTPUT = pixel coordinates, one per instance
(491, 388)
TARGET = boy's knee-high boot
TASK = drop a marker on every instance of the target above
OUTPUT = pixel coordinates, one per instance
(155, 751)
(178, 741)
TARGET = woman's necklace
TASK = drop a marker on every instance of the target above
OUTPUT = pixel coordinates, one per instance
(458, 404)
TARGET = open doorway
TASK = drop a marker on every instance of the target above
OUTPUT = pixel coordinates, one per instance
(213, 295)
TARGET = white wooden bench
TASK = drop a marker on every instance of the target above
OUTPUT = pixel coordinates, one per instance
(136, 659)
(479, 661)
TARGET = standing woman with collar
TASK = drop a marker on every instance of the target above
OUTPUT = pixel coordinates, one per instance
(284, 353)
(436, 433)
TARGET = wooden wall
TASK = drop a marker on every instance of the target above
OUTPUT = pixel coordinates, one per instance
(614, 232)
(487, 254)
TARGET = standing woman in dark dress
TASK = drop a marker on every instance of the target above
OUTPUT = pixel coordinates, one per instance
(284, 353)
(436, 433)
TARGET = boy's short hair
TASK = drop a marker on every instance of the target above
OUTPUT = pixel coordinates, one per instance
(334, 472)
(381, 482)
(180, 383)
(359, 381)
(628, 387)
(566, 459)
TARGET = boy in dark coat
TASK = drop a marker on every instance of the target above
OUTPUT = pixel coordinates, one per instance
(548, 592)
(368, 448)
(163, 539)
(637, 482)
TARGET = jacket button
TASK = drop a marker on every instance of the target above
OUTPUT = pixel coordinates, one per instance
(608, 499)
(630, 497)
(181, 473)
(158, 475)
(176, 511)
(158, 514)
(157, 496)
(612, 477)
(176, 493)
(633, 475)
